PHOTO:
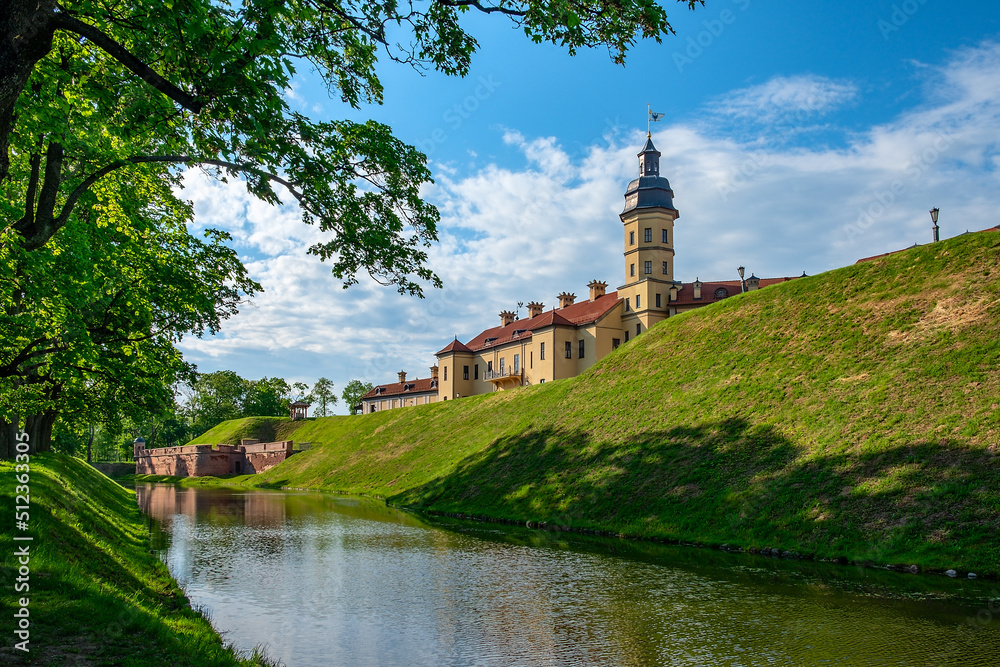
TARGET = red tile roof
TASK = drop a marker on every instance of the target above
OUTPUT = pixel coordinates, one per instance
(578, 314)
(397, 388)
(685, 295)
(455, 346)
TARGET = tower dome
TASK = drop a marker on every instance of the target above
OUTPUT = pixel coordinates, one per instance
(650, 190)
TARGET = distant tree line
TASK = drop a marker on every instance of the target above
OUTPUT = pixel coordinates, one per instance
(204, 401)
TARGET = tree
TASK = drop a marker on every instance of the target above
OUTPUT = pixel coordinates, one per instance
(323, 396)
(92, 88)
(89, 322)
(266, 397)
(353, 392)
(215, 398)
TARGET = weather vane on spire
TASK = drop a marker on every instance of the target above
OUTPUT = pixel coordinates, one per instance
(652, 116)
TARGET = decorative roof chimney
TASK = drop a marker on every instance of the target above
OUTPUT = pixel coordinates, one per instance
(597, 289)
(696, 285)
(535, 309)
(753, 282)
(566, 299)
(506, 317)
(434, 372)
(402, 376)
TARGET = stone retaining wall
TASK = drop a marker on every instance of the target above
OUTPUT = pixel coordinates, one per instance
(215, 460)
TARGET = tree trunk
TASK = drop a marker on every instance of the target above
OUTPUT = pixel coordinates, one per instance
(25, 37)
(90, 445)
(8, 439)
(39, 430)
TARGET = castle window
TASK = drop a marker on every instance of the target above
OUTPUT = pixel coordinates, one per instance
(631, 269)
(475, 372)
(502, 361)
(541, 352)
(531, 359)
(648, 235)
(626, 336)
(569, 350)
(647, 268)
(663, 234)
(445, 373)
(666, 269)
(721, 293)
(465, 372)
(615, 342)
(638, 301)
(489, 366)
(627, 305)
(517, 363)
(583, 349)
(631, 238)
(659, 301)
(638, 328)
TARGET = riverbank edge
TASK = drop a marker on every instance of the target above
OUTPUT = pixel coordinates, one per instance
(788, 552)
(95, 583)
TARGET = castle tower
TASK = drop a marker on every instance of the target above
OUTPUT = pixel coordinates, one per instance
(648, 221)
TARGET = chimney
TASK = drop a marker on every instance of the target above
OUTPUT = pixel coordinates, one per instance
(434, 372)
(753, 283)
(535, 309)
(506, 317)
(402, 376)
(597, 289)
(566, 299)
(697, 288)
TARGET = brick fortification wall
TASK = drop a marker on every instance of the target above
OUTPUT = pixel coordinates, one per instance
(201, 460)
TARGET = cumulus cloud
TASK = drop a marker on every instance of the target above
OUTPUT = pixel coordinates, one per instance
(550, 223)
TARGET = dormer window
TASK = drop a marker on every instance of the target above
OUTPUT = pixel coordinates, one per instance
(490, 341)
(721, 293)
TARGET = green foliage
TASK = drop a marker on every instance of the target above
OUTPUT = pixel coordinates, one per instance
(850, 414)
(323, 397)
(89, 90)
(90, 321)
(353, 392)
(95, 585)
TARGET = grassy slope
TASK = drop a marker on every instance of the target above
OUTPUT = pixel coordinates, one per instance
(851, 414)
(267, 429)
(98, 596)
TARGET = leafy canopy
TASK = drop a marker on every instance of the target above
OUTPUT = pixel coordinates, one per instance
(93, 87)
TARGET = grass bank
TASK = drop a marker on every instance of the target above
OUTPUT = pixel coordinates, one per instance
(853, 414)
(97, 595)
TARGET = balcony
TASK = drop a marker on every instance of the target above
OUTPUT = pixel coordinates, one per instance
(504, 378)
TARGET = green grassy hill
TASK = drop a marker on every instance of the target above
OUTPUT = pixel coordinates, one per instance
(97, 595)
(850, 414)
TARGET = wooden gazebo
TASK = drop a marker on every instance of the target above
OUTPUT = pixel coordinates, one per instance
(298, 410)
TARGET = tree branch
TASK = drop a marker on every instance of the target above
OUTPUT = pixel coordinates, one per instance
(485, 10)
(36, 235)
(121, 54)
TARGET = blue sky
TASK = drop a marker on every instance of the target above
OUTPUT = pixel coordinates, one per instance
(797, 137)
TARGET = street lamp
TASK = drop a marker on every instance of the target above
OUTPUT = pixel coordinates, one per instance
(934, 217)
(743, 283)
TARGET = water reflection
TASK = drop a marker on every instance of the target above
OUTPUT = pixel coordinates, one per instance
(325, 580)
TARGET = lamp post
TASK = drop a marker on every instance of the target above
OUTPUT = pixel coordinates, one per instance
(934, 217)
(743, 283)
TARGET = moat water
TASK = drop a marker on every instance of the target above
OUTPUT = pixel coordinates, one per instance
(321, 579)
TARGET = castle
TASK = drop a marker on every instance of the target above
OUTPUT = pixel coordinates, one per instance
(567, 340)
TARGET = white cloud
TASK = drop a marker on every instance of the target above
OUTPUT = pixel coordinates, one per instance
(796, 96)
(550, 224)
